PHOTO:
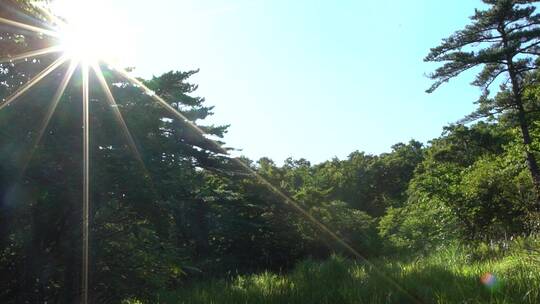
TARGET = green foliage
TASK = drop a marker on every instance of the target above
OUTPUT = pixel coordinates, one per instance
(422, 226)
(373, 183)
(496, 197)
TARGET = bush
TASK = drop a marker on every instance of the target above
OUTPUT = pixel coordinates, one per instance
(421, 226)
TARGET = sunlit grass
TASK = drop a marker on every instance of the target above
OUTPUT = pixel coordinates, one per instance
(447, 276)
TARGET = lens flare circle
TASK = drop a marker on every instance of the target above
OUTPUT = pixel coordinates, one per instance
(489, 280)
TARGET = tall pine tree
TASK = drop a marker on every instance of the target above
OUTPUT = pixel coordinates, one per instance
(504, 39)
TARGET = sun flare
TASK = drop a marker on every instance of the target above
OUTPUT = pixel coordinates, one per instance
(90, 31)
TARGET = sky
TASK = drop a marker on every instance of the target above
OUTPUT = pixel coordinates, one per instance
(307, 78)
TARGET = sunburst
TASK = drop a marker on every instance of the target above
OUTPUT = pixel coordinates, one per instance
(86, 43)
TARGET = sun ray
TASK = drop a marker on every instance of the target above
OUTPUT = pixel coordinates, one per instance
(118, 115)
(86, 181)
(52, 17)
(50, 111)
(32, 28)
(286, 199)
(33, 82)
(164, 104)
(325, 229)
(125, 129)
(40, 52)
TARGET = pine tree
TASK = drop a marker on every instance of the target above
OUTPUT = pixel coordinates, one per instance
(504, 39)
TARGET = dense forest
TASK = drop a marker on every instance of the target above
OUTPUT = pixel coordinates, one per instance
(178, 212)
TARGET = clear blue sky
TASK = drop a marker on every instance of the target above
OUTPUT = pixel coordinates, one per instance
(308, 78)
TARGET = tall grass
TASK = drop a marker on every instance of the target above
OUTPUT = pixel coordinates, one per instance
(452, 275)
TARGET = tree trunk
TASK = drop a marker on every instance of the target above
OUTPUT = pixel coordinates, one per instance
(201, 229)
(531, 160)
(532, 164)
(71, 289)
(5, 217)
(523, 123)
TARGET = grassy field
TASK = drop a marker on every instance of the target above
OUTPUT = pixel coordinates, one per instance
(445, 276)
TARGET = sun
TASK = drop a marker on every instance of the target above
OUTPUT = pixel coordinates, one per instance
(91, 31)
